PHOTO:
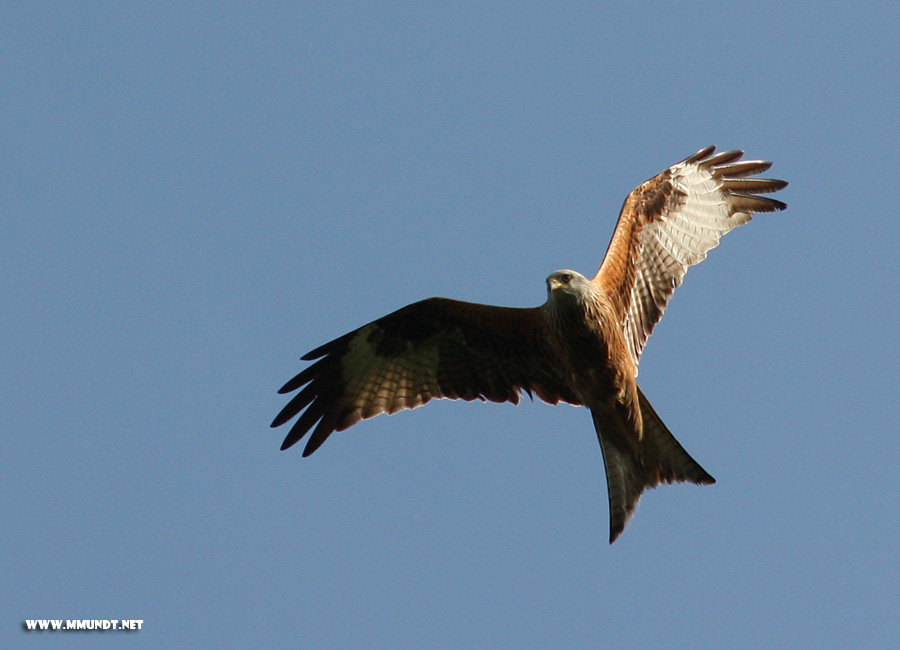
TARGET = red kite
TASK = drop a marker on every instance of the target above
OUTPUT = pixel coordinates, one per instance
(582, 346)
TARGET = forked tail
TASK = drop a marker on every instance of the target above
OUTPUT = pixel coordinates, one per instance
(632, 466)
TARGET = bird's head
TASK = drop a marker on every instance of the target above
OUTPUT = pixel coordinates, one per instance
(566, 283)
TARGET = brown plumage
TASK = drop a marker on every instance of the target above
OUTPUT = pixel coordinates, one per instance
(582, 346)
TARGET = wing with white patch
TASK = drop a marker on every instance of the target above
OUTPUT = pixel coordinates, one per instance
(668, 224)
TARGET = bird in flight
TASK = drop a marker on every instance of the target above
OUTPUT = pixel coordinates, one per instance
(582, 346)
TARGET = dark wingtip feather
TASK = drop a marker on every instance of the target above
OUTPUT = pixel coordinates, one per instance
(331, 346)
(753, 204)
(313, 413)
(289, 387)
(321, 368)
(315, 440)
(754, 185)
(724, 157)
(700, 155)
(740, 168)
(284, 415)
(294, 383)
(292, 438)
(778, 205)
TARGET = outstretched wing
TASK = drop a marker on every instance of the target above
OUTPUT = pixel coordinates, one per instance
(668, 224)
(433, 348)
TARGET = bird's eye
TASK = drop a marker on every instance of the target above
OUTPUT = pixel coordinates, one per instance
(566, 278)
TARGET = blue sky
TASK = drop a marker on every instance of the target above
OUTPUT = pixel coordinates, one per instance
(196, 195)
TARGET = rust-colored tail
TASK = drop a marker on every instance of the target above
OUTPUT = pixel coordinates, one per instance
(630, 468)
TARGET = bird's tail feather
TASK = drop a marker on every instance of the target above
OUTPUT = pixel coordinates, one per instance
(632, 468)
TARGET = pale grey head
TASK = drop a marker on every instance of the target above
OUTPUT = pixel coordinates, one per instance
(567, 283)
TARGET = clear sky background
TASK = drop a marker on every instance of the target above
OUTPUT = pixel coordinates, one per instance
(193, 196)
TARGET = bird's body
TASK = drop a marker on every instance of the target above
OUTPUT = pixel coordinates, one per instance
(582, 346)
(582, 330)
(593, 354)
